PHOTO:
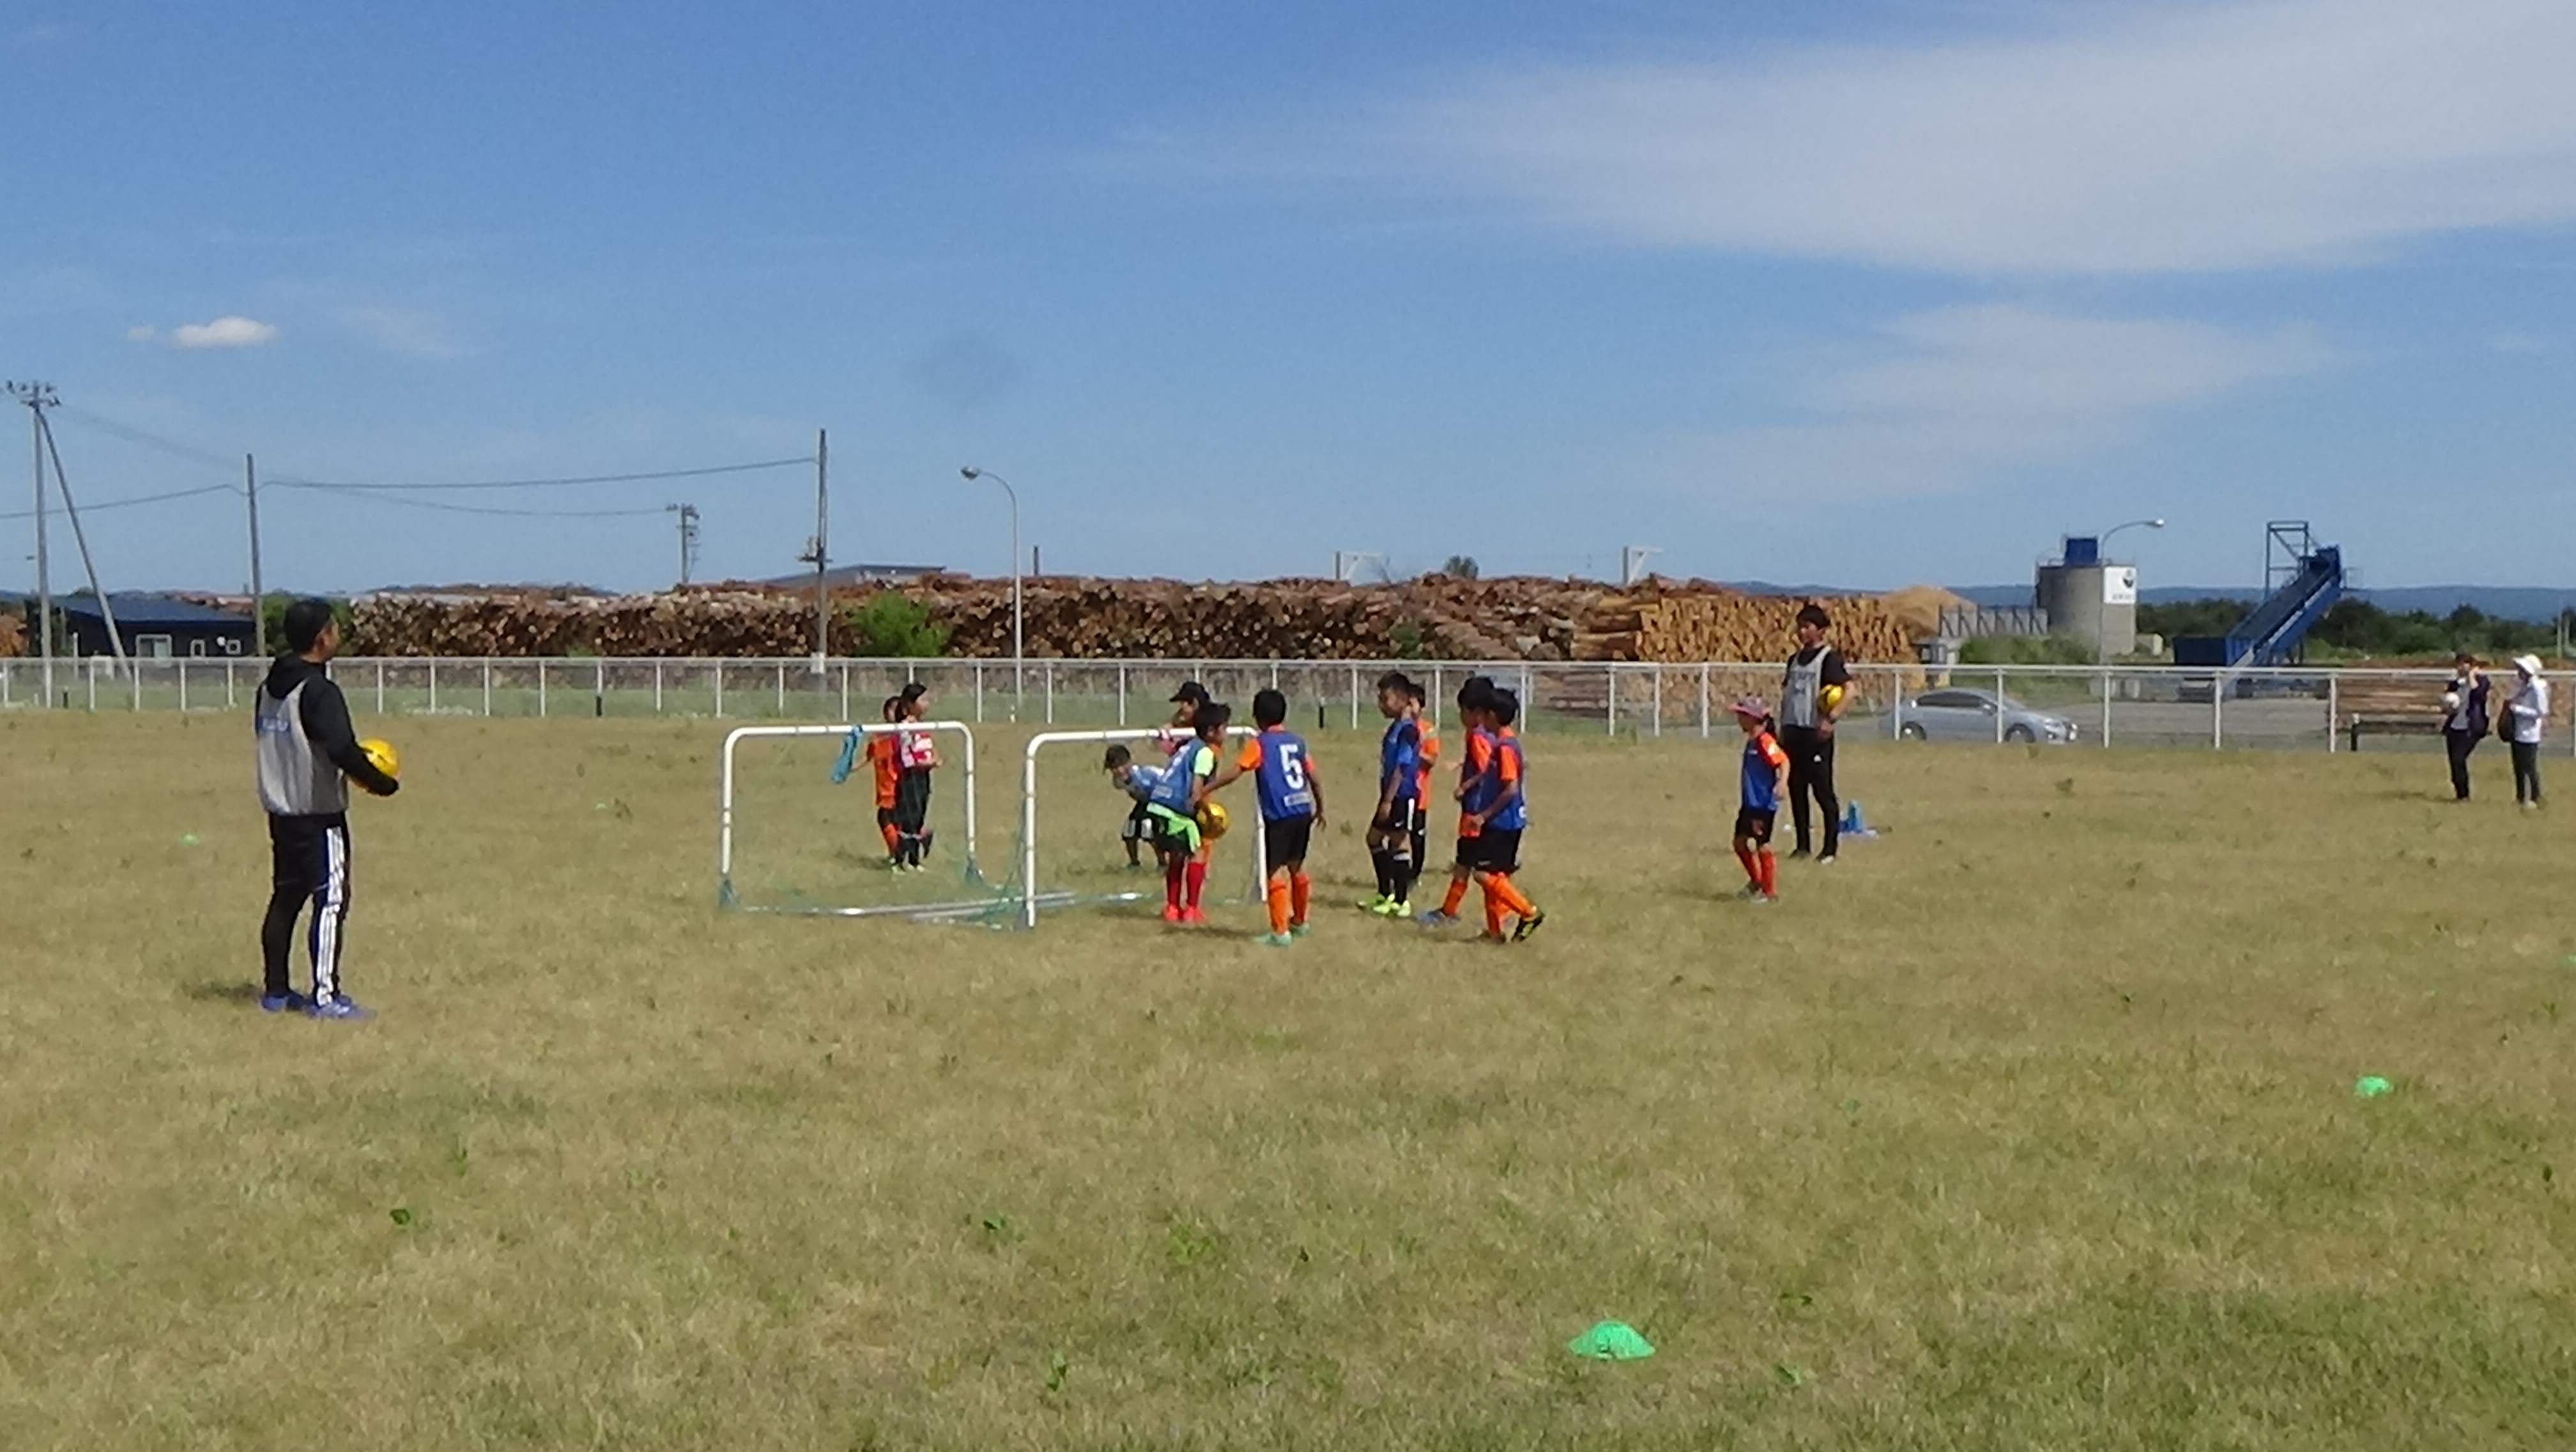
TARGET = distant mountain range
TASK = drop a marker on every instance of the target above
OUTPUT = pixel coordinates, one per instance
(2510, 602)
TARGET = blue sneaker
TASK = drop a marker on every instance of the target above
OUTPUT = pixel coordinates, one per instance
(1276, 940)
(339, 1006)
(287, 1002)
(1437, 919)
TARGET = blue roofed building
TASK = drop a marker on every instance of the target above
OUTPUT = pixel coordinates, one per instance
(153, 627)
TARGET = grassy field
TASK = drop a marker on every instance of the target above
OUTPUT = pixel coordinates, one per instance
(2032, 1124)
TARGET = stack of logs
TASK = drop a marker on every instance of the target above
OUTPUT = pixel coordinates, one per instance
(1435, 617)
(13, 636)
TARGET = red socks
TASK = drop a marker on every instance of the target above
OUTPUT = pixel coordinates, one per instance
(1172, 886)
(1770, 876)
(1752, 863)
(1196, 877)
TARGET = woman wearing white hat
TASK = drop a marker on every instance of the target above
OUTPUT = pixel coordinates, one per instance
(2526, 718)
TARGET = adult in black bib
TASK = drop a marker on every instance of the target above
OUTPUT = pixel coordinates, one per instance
(1806, 715)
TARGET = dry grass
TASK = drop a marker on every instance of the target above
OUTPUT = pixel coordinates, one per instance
(2031, 1125)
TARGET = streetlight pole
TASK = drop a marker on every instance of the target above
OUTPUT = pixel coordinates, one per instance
(1019, 640)
(2101, 607)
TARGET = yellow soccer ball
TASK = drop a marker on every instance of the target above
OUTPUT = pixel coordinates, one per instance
(1212, 820)
(381, 755)
(1830, 699)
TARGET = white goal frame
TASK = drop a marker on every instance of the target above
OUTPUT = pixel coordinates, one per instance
(724, 814)
(1030, 898)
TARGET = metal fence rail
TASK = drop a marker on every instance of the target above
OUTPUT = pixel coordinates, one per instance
(2285, 708)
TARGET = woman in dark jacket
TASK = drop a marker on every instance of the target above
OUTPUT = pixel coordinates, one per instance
(2466, 703)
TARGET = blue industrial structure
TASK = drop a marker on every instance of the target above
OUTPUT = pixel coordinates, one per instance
(2303, 581)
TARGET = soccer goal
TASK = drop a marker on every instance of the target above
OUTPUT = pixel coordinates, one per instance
(1078, 875)
(797, 830)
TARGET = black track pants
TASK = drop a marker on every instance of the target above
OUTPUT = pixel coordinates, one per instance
(308, 863)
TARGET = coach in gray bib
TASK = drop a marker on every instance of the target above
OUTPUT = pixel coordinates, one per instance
(1807, 729)
(308, 754)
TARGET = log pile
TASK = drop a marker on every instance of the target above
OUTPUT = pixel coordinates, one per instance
(1434, 617)
(13, 636)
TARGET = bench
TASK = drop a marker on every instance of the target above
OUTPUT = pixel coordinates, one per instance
(2393, 723)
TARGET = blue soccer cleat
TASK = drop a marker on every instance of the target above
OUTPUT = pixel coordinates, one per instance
(340, 1007)
(1437, 919)
(287, 1002)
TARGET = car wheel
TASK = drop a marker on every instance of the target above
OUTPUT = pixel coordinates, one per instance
(1911, 731)
(2021, 734)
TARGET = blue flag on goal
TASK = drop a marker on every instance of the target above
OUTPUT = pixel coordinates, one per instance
(849, 758)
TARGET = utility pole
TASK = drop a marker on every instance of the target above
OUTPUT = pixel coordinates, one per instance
(822, 548)
(37, 396)
(688, 538)
(258, 594)
(80, 537)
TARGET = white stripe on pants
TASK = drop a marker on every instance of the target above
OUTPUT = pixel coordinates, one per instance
(330, 912)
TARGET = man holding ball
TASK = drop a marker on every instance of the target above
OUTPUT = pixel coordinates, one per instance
(308, 754)
(1811, 700)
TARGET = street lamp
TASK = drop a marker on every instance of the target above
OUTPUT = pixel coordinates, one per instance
(2101, 607)
(1019, 641)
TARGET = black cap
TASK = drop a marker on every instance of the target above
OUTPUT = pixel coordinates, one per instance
(1192, 692)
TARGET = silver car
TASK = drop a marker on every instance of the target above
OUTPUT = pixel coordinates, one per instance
(1963, 715)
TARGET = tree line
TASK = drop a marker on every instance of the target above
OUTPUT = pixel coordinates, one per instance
(2356, 627)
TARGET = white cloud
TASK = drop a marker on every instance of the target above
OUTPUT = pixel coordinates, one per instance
(143, 334)
(408, 331)
(2142, 140)
(1959, 394)
(229, 331)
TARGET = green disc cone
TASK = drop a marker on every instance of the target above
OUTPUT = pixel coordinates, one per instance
(1611, 1341)
(2371, 1086)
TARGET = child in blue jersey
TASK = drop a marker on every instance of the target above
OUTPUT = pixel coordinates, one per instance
(1498, 803)
(1475, 698)
(1292, 807)
(1137, 781)
(1398, 822)
(1766, 776)
(1175, 802)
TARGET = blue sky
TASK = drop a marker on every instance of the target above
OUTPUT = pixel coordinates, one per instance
(1869, 293)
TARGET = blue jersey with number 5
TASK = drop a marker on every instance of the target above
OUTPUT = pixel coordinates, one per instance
(1279, 779)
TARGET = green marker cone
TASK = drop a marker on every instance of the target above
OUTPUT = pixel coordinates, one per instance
(187, 839)
(1612, 1341)
(2370, 1086)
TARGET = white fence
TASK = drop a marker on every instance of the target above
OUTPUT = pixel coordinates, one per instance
(2289, 707)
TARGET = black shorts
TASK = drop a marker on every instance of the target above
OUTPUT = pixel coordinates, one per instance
(1139, 826)
(1286, 841)
(1405, 818)
(1753, 824)
(1172, 833)
(1496, 849)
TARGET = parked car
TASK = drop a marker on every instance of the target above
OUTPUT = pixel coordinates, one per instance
(1964, 715)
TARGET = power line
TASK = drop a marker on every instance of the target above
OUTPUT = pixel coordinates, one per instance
(349, 492)
(700, 473)
(144, 499)
(133, 435)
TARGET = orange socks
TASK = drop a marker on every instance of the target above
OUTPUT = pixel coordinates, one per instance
(1493, 910)
(1457, 895)
(894, 839)
(1278, 906)
(1301, 891)
(1770, 875)
(1499, 885)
